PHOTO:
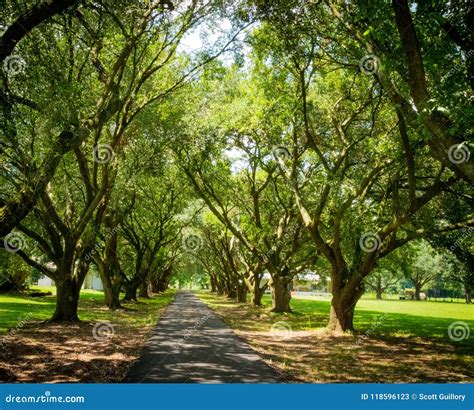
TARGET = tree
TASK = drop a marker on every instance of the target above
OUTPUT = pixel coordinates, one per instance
(115, 84)
(152, 227)
(463, 274)
(458, 244)
(392, 41)
(13, 272)
(16, 208)
(381, 280)
(251, 201)
(308, 152)
(60, 230)
(356, 208)
(423, 267)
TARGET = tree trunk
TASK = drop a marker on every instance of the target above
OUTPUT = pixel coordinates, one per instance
(281, 296)
(257, 295)
(213, 284)
(220, 287)
(155, 286)
(242, 292)
(163, 286)
(112, 295)
(253, 285)
(378, 289)
(144, 290)
(160, 286)
(130, 293)
(159, 283)
(468, 296)
(231, 292)
(417, 291)
(438, 124)
(67, 301)
(343, 303)
(111, 289)
(341, 318)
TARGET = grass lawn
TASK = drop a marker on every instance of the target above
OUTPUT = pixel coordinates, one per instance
(394, 317)
(396, 341)
(34, 351)
(14, 309)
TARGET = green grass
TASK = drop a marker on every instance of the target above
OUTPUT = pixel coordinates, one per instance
(396, 341)
(395, 296)
(16, 309)
(388, 318)
(397, 317)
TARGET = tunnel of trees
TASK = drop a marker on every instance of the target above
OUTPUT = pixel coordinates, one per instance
(299, 136)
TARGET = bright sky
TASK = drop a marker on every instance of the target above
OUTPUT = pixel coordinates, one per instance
(197, 38)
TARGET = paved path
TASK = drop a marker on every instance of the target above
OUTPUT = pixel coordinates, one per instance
(192, 345)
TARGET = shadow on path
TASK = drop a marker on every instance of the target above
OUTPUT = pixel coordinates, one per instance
(192, 345)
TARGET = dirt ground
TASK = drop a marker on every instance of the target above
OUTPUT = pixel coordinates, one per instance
(313, 356)
(309, 357)
(57, 353)
(95, 351)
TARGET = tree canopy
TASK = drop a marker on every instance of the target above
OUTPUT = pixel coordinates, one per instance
(323, 136)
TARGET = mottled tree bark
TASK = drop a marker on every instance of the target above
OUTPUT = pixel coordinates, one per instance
(281, 296)
(143, 292)
(67, 301)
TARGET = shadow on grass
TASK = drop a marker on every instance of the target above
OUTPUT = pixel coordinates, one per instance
(387, 347)
(314, 314)
(16, 309)
(338, 359)
(35, 351)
